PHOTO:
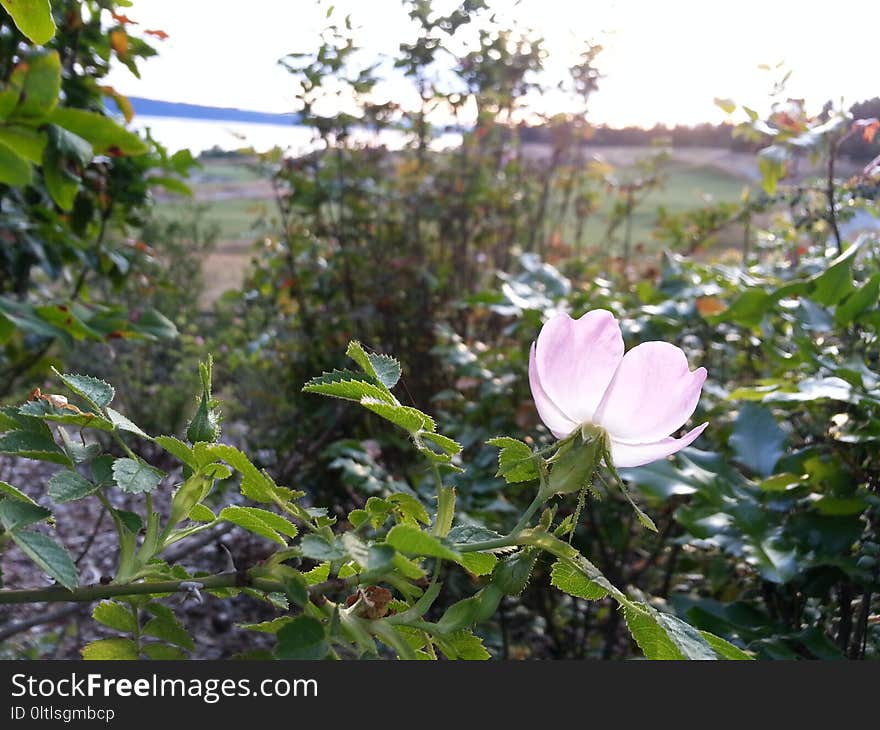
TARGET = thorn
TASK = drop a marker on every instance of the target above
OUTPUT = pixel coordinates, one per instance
(192, 589)
(230, 563)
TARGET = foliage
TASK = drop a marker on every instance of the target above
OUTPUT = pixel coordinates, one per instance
(73, 182)
(390, 544)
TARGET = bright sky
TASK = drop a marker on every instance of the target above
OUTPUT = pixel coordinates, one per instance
(664, 60)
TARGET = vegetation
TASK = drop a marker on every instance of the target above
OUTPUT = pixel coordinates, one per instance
(400, 497)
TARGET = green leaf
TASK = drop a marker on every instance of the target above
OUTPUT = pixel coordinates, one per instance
(33, 445)
(15, 513)
(412, 541)
(7, 490)
(24, 141)
(409, 509)
(68, 486)
(178, 449)
(444, 443)
(662, 636)
(757, 439)
(772, 162)
(724, 648)
(383, 368)
(135, 477)
(110, 649)
(48, 412)
(104, 134)
(748, 309)
(268, 627)
(96, 393)
(260, 522)
(200, 513)
(163, 652)
(574, 583)
(516, 463)
(863, 298)
(122, 423)
(318, 547)
(152, 324)
(347, 385)
(463, 645)
(66, 147)
(116, 616)
(302, 638)
(477, 563)
(38, 79)
(512, 574)
(833, 284)
(255, 485)
(165, 625)
(409, 419)
(14, 169)
(33, 18)
(49, 555)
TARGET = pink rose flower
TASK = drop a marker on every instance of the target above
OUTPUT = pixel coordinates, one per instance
(579, 375)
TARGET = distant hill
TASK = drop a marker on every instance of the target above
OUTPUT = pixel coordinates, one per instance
(154, 108)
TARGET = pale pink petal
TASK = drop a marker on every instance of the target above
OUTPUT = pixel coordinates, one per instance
(554, 419)
(652, 394)
(576, 359)
(624, 454)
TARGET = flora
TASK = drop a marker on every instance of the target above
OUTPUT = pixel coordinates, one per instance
(580, 377)
(366, 586)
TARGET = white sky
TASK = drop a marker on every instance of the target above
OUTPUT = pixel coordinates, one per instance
(664, 60)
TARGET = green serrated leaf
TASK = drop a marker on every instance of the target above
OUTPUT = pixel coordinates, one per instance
(413, 541)
(165, 625)
(255, 484)
(110, 650)
(318, 547)
(409, 509)
(302, 638)
(178, 449)
(33, 445)
(16, 513)
(463, 645)
(662, 636)
(96, 393)
(47, 554)
(115, 615)
(575, 583)
(260, 522)
(163, 652)
(68, 486)
(444, 443)
(724, 648)
(268, 627)
(135, 477)
(201, 513)
(7, 490)
(516, 463)
(409, 419)
(478, 563)
(347, 385)
(122, 423)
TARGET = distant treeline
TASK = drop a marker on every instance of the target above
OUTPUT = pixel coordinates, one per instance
(707, 135)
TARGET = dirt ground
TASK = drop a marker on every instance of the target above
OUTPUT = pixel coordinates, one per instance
(60, 630)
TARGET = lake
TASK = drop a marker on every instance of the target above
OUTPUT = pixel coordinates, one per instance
(199, 135)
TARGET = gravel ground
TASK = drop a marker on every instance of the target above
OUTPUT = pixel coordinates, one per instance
(88, 534)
